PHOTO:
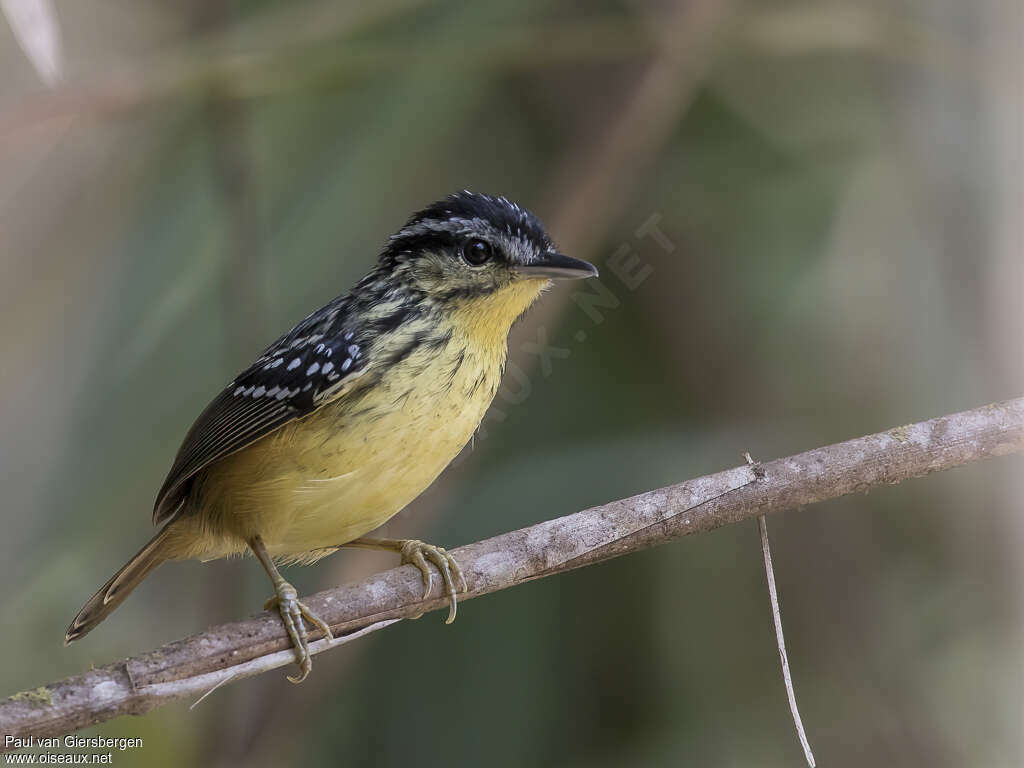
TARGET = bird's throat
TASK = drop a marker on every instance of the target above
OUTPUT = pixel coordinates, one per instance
(487, 320)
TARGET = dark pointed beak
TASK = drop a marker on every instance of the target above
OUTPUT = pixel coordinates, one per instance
(557, 266)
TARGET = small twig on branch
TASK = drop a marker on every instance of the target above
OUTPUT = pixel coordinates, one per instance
(787, 678)
(219, 677)
(189, 667)
(780, 639)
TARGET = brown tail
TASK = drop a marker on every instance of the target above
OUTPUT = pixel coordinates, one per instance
(113, 593)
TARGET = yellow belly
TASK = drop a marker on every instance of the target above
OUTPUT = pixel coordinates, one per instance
(342, 471)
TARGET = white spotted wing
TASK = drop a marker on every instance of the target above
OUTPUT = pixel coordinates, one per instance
(294, 376)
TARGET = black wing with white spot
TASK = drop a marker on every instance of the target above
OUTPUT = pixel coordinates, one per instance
(290, 379)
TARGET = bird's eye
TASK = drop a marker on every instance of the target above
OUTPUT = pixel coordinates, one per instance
(477, 252)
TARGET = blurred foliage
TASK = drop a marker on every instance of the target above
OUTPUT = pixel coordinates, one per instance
(841, 184)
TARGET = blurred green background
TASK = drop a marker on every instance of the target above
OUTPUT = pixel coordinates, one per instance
(838, 189)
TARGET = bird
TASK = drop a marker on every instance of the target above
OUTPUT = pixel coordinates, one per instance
(350, 415)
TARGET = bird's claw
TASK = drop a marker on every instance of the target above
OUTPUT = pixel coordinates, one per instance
(293, 611)
(415, 552)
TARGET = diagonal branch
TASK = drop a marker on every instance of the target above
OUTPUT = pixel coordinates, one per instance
(190, 667)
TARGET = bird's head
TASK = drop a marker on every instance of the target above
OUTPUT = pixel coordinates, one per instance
(481, 256)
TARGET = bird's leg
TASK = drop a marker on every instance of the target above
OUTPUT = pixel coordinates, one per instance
(286, 600)
(415, 552)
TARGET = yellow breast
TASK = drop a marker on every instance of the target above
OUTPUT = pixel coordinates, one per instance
(343, 470)
(346, 468)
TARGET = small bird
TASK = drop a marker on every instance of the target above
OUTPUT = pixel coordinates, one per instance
(349, 416)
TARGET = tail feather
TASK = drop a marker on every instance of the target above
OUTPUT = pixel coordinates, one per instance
(121, 584)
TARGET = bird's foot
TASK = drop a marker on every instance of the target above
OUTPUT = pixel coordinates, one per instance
(416, 552)
(292, 614)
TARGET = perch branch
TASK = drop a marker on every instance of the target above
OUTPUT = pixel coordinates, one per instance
(190, 667)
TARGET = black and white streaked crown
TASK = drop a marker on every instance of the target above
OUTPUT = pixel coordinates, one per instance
(468, 214)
